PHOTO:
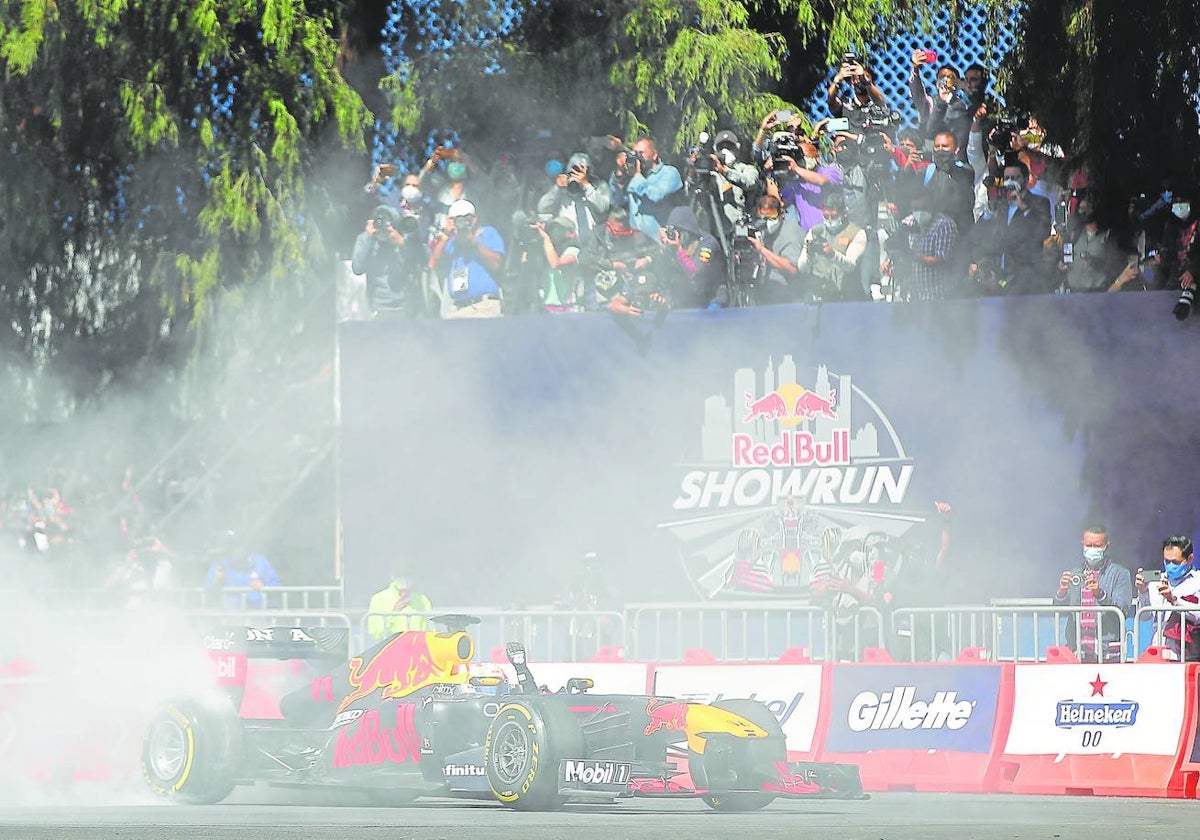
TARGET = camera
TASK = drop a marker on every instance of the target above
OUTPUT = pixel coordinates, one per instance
(1187, 299)
(780, 144)
(1007, 124)
(384, 217)
(702, 152)
(1076, 579)
(409, 224)
(746, 227)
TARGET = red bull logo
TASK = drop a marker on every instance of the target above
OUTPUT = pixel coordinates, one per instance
(405, 663)
(370, 742)
(791, 404)
(665, 714)
(795, 449)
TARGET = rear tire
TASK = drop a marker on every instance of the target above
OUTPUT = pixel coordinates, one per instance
(717, 765)
(191, 750)
(521, 753)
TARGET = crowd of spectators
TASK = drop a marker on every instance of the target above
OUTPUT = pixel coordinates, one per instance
(972, 201)
(76, 531)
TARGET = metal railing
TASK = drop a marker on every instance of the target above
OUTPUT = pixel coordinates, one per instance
(1155, 619)
(749, 632)
(241, 598)
(1008, 633)
(548, 635)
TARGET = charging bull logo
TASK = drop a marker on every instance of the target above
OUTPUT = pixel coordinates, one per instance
(666, 715)
(405, 663)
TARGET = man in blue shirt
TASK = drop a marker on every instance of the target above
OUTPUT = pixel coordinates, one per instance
(652, 191)
(467, 258)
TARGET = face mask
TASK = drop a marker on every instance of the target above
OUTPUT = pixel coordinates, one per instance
(943, 159)
(728, 157)
(1181, 211)
(1176, 572)
(647, 163)
(773, 225)
(836, 223)
(1093, 557)
(456, 171)
(410, 193)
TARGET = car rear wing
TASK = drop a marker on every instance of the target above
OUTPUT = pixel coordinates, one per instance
(317, 643)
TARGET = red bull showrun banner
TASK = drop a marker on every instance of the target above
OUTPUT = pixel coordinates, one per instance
(742, 454)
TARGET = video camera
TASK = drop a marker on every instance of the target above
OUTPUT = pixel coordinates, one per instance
(878, 121)
(1008, 123)
(702, 153)
(746, 227)
(783, 143)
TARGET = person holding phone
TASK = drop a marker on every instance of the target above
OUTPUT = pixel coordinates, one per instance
(1177, 584)
(922, 98)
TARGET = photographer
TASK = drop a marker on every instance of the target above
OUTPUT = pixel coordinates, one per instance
(468, 258)
(393, 262)
(777, 241)
(692, 263)
(561, 286)
(863, 91)
(716, 169)
(578, 196)
(1096, 582)
(618, 266)
(1177, 584)
(646, 185)
(1012, 239)
(921, 250)
(829, 257)
(798, 177)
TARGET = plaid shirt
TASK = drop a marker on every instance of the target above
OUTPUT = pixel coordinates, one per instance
(931, 281)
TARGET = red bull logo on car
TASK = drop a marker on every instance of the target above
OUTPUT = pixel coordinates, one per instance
(406, 662)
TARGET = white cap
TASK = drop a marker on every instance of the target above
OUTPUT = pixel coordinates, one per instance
(461, 207)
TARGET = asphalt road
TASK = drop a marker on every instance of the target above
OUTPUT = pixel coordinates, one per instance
(890, 816)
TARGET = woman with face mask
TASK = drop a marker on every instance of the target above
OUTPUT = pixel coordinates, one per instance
(1177, 585)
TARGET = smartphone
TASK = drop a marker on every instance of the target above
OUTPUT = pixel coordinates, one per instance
(842, 124)
(930, 56)
(1152, 575)
(388, 169)
(784, 116)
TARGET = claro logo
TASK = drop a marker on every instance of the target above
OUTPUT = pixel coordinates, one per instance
(898, 709)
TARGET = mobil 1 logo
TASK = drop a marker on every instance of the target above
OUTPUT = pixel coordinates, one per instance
(590, 773)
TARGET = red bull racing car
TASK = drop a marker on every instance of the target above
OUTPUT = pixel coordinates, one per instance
(407, 719)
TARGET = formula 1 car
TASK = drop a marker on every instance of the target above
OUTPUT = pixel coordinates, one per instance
(407, 719)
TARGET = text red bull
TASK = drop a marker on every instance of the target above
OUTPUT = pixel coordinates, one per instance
(795, 449)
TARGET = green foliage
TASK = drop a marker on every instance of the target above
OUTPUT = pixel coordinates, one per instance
(1117, 87)
(138, 129)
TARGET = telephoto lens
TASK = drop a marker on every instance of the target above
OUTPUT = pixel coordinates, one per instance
(1183, 307)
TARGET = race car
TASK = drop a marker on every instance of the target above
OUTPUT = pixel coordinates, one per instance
(407, 719)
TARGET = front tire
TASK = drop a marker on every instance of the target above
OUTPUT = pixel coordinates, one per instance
(720, 767)
(190, 751)
(521, 754)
